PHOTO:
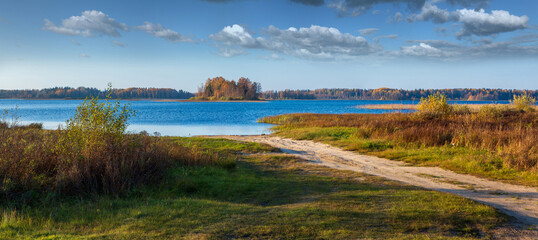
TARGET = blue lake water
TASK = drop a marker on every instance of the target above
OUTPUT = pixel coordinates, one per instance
(194, 118)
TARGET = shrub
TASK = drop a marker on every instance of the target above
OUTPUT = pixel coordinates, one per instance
(434, 106)
(524, 103)
(95, 126)
(93, 154)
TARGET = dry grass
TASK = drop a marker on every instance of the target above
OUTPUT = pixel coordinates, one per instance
(511, 135)
(472, 107)
(388, 106)
(32, 159)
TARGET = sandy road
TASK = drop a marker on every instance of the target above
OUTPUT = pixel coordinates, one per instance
(520, 202)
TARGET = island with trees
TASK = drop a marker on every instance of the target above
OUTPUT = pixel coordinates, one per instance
(220, 89)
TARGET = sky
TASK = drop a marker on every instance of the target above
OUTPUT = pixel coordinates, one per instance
(283, 44)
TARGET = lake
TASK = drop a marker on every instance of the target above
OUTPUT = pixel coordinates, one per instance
(194, 118)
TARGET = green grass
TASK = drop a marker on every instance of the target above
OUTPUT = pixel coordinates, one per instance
(263, 197)
(222, 146)
(460, 159)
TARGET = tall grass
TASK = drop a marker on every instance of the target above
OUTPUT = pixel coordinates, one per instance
(512, 135)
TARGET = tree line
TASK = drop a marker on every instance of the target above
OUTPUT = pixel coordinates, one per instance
(469, 94)
(83, 92)
(219, 88)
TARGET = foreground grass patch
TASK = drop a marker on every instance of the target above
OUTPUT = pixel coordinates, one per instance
(263, 197)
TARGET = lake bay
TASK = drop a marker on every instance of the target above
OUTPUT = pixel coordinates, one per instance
(194, 118)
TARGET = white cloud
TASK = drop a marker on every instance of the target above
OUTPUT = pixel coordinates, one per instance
(159, 31)
(82, 55)
(88, 24)
(368, 31)
(315, 42)
(235, 35)
(422, 49)
(431, 12)
(473, 22)
(481, 23)
(526, 45)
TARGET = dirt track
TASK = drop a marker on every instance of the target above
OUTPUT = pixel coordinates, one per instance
(520, 202)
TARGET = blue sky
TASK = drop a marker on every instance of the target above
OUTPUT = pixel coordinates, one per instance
(284, 44)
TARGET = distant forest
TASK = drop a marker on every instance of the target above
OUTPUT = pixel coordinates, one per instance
(221, 89)
(469, 94)
(82, 92)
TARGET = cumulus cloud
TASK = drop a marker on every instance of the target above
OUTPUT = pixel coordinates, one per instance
(481, 23)
(473, 22)
(235, 35)
(368, 31)
(526, 45)
(159, 31)
(433, 13)
(315, 42)
(88, 24)
(310, 2)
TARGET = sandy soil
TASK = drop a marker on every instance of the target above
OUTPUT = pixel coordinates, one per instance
(521, 202)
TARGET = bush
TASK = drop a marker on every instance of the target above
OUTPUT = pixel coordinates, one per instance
(96, 126)
(524, 103)
(434, 106)
(93, 154)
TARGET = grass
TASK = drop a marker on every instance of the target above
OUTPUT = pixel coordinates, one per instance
(262, 197)
(397, 106)
(503, 148)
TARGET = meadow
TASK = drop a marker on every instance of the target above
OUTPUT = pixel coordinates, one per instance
(93, 180)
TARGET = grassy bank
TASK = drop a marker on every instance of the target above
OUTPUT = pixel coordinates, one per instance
(501, 145)
(261, 197)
